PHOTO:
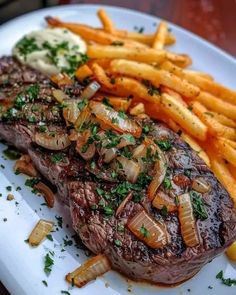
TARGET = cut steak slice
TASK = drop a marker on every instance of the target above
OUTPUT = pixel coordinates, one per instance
(94, 201)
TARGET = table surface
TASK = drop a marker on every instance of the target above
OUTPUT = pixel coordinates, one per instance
(214, 20)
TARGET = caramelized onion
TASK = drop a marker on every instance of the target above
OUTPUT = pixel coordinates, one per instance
(71, 110)
(114, 120)
(163, 200)
(88, 152)
(187, 221)
(139, 151)
(83, 117)
(59, 95)
(40, 231)
(129, 168)
(108, 154)
(90, 270)
(62, 80)
(152, 233)
(25, 165)
(123, 204)
(56, 142)
(200, 185)
(90, 90)
(46, 192)
(160, 172)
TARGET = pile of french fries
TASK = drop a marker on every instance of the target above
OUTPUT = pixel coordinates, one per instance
(139, 75)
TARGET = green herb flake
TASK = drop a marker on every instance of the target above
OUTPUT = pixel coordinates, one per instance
(58, 157)
(129, 137)
(33, 91)
(82, 104)
(45, 283)
(9, 188)
(120, 228)
(49, 237)
(43, 129)
(65, 292)
(144, 231)
(108, 210)
(199, 210)
(118, 243)
(31, 182)
(164, 145)
(167, 183)
(164, 211)
(11, 154)
(59, 221)
(187, 172)
(228, 282)
(26, 46)
(48, 264)
(122, 115)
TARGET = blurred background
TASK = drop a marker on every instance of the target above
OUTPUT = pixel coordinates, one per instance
(214, 20)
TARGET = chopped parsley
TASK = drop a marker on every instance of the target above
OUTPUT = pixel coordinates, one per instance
(120, 228)
(20, 101)
(65, 292)
(140, 30)
(108, 210)
(58, 157)
(43, 129)
(82, 104)
(151, 89)
(118, 243)
(113, 138)
(167, 183)
(31, 182)
(11, 154)
(27, 45)
(48, 264)
(164, 145)
(164, 211)
(9, 188)
(144, 231)
(199, 210)
(59, 221)
(228, 282)
(106, 102)
(33, 91)
(113, 81)
(45, 283)
(187, 172)
(122, 115)
(129, 137)
(49, 237)
(151, 156)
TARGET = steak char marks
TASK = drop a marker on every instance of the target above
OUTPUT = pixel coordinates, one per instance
(93, 197)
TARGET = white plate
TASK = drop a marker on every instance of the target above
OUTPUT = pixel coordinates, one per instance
(21, 267)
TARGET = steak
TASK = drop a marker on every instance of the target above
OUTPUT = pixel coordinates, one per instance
(94, 197)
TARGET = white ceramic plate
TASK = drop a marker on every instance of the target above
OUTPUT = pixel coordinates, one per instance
(21, 267)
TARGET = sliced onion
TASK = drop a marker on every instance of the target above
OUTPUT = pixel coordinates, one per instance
(57, 142)
(129, 168)
(62, 80)
(25, 165)
(109, 154)
(59, 95)
(139, 151)
(46, 192)
(200, 185)
(71, 110)
(163, 200)
(73, 135)
(152, 233)
(90, 90)
(90, 270)
(187, 221)
(83, 117)
(125, 140)
(82, 140)
(160, 172)
(123, 204)
(111, 118)
(40, 231)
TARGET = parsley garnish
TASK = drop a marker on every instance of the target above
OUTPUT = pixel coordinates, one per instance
(167, 183)
(164, 211)
(59, 221)
(27, 45)
(49, 237)
(58, 157)
(11, 154)
(199, 210)
(129, 137)
(108, 210)
(48, 263)
(144, 231)
(65, 292)
(228, 282)
(45, 283)
(118, 243)
(164, 145)
(31, 182)
(82, 104)
(122, 115)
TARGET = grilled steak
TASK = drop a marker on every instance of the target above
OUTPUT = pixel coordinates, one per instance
(103, 203)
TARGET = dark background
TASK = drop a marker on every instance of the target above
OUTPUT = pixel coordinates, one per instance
(214, 20)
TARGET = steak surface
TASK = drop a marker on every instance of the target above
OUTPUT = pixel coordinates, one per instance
(91, 192)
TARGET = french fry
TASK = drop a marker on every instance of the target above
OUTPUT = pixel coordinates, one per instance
(90, 34)
(101, 76)
(214, 127)
(203, 83)
(106, 21)
(201, 74)
(223, 174)
(229, 142)
(217, 105)
(160, 36)
(232, 170)
(138, 109)
(181, 60)
(196, 147)
(83, 72)
(156, 76)
(147, 55)
(183, 116)
(174, 94)
(226, 150)
(224, 120)
(118, 103)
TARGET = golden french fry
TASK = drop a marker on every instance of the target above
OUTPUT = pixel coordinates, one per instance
(181, 60)
(147, 55)
(196, 147)
(229, 142)
(226, 150)
(201, 74)
(223, 174)
(174, 94)
(160, 36)
(224, 120)
(101, 76)
(203, 83)
(138, 109)
(90, 34)
(130, 87)
(106, 21)
(214, 127)
(118, 103)
(83, 72)
(183, 116)
(156, 76)
(217, 105)
(232, 170)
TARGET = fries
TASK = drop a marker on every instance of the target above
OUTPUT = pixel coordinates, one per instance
(156, 76)
(196, 147)
(147, 55)
(160, 36)
(183, 116)
(226, 150)
(106, 21)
